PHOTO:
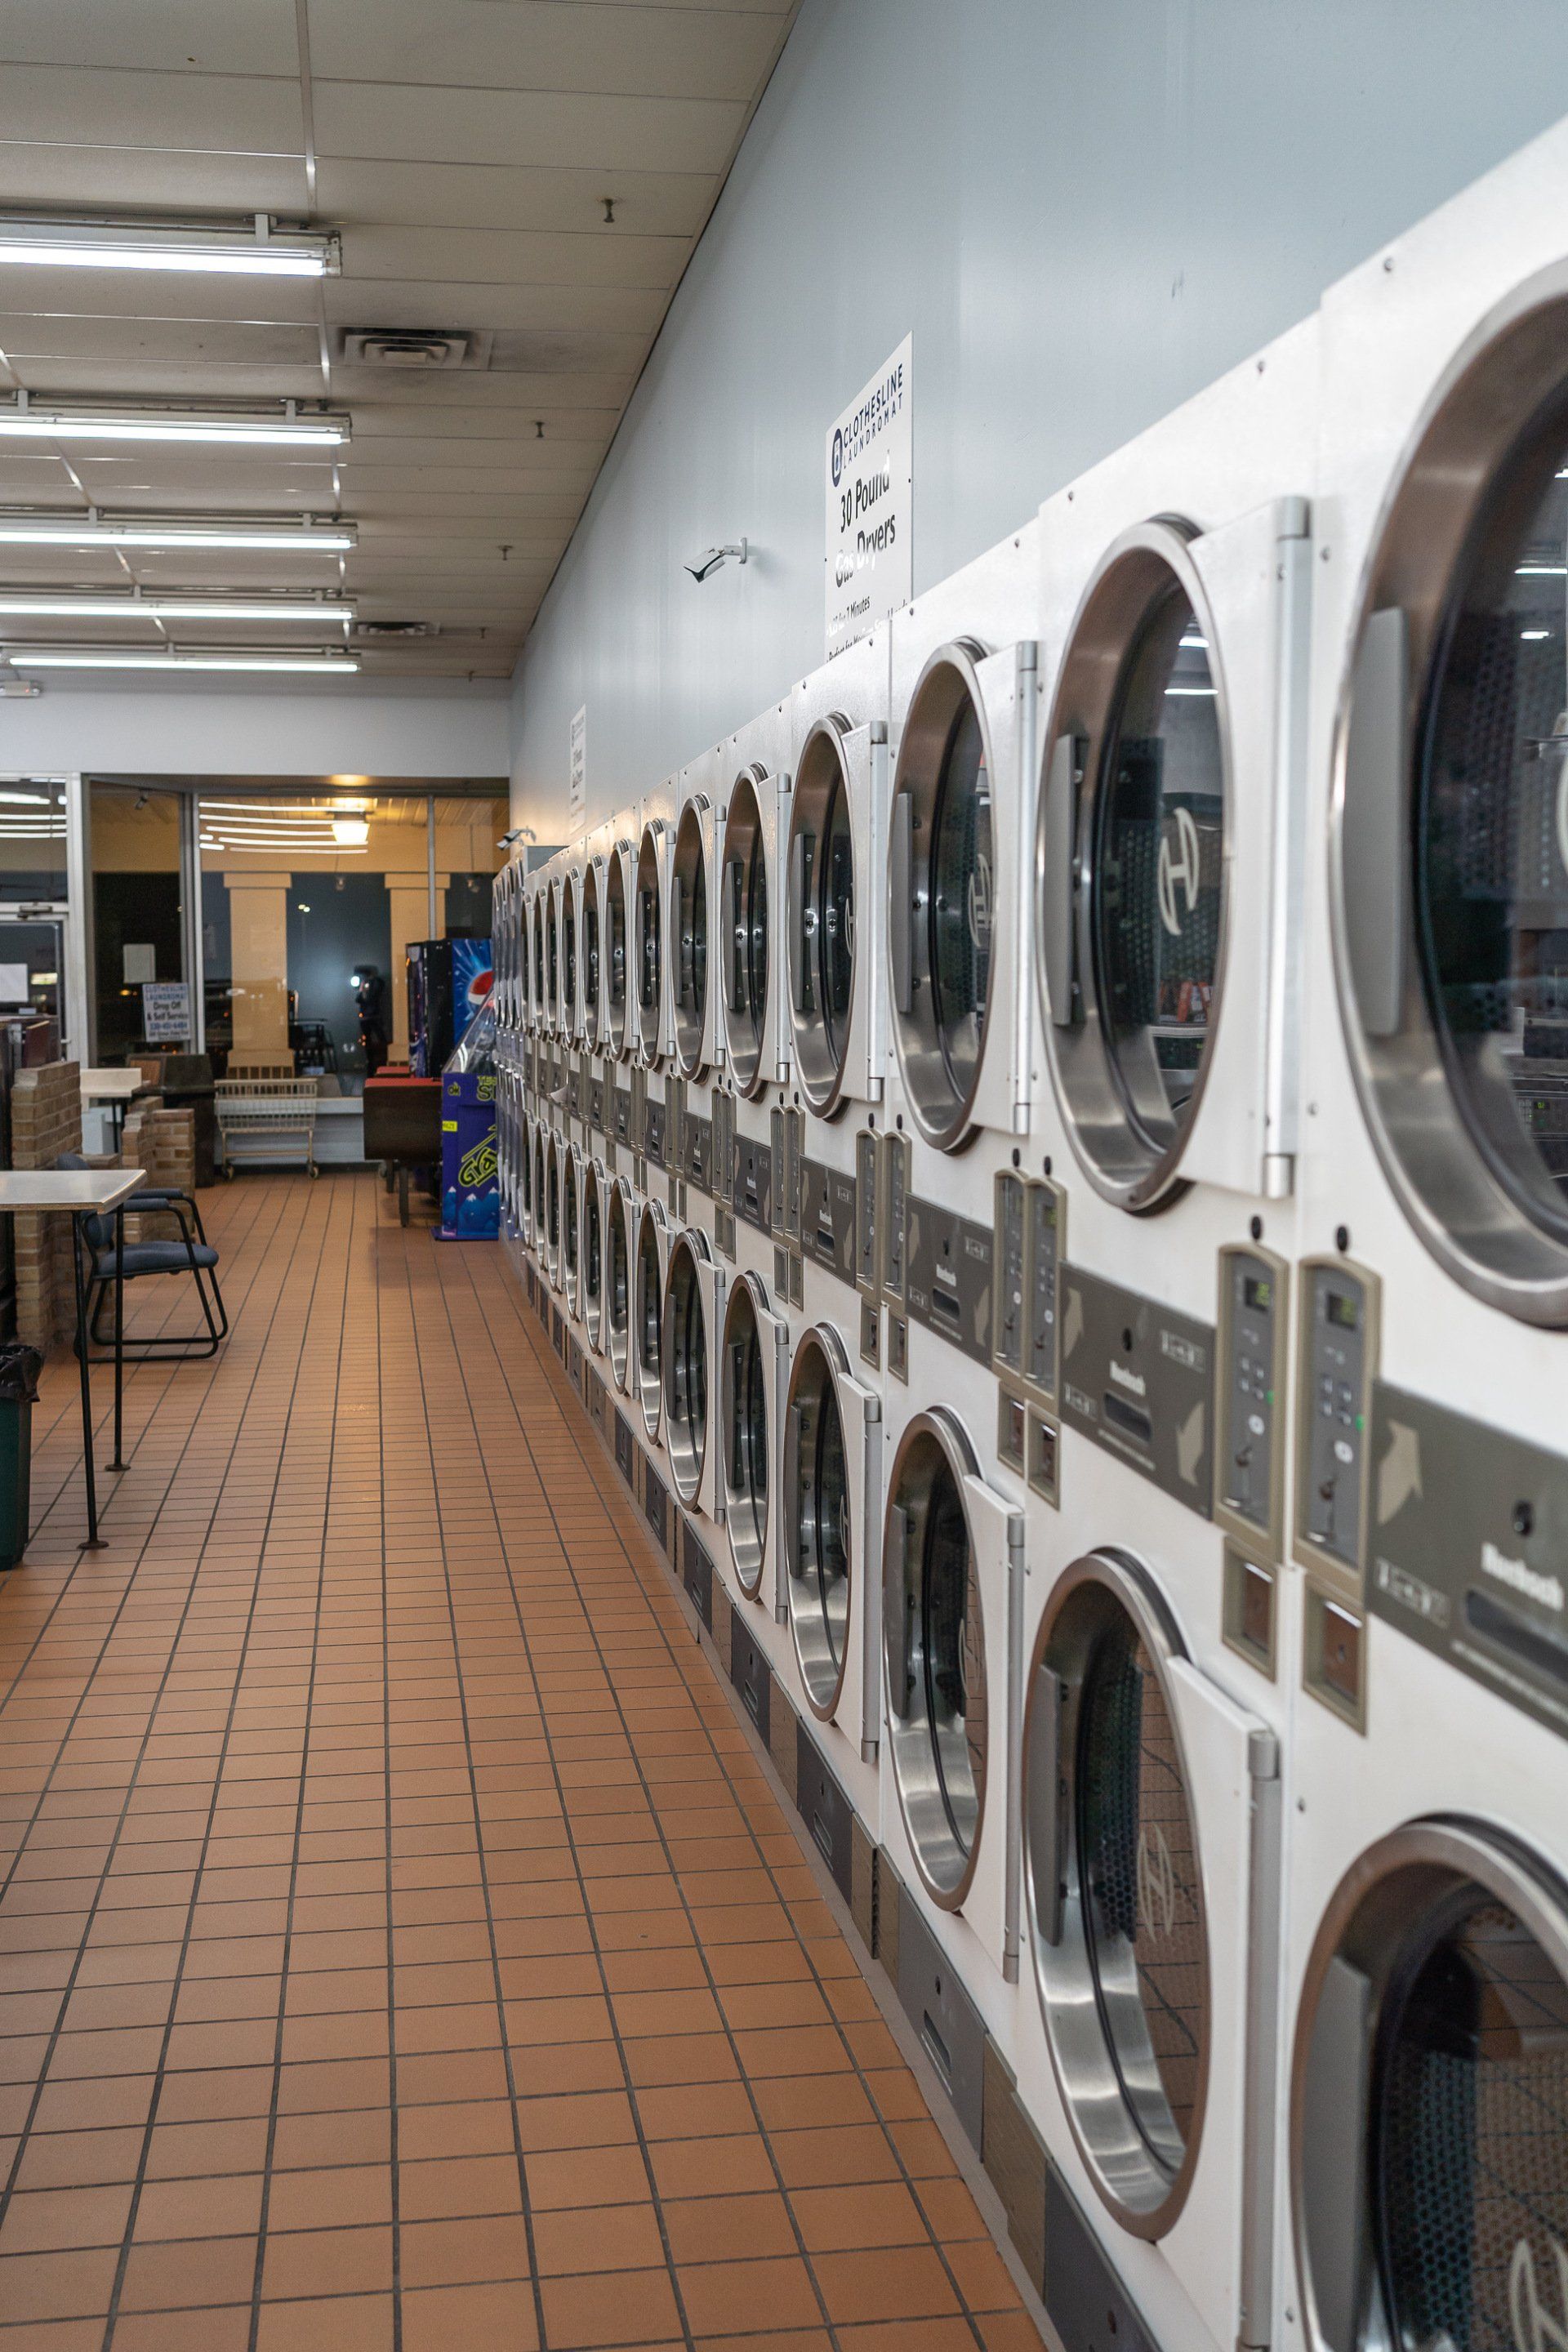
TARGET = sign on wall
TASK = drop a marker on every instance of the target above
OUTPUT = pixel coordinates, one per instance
(869, 565)
(577, 776)
(165, 1011)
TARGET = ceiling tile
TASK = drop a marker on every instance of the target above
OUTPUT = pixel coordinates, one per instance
(631, 311)
(491, 126)
(150, 178)
(251, 115)
(512, 196)
(543, 44)
(255, 36)
(23, 339)
(601, 256)
(37, 293)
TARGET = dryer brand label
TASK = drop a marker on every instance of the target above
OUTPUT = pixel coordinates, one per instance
(1138, 1380)
(1469, 1533)
(949, 1276)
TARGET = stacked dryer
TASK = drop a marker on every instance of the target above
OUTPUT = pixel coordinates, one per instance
(1427, 1919)
(1067, 1117)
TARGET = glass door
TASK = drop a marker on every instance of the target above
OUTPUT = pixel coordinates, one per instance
(33, 948)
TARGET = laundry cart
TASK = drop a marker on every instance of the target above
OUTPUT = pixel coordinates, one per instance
(267, 1120)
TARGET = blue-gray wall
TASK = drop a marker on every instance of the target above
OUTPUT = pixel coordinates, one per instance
(1084, 210)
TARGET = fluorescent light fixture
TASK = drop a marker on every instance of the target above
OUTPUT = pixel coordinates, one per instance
(1533, 636)
(1540, 571)
(351, 832)
(1196, 643)
(26, 800)
(128, 657)
(1200, 693)
(259, 250)
(58, 606)
(20, 527)
(275, 428)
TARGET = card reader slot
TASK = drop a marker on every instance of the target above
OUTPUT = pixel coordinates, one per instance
(1128, 1419)
(944, 1304)
(1497, 1622)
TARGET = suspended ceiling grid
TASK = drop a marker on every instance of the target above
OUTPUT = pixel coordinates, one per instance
(466, 150)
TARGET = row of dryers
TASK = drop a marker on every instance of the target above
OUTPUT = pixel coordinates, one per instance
(1050, 1148)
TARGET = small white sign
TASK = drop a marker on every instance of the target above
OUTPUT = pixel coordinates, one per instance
(15, 986)
(140, 964)
(869, 564)
(577, 776)
(165, 1011)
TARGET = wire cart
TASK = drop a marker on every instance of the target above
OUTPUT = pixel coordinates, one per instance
(269, 1121)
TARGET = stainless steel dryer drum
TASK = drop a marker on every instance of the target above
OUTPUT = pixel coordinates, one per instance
(684, 1355)
(688, 938)
(537, 934)
(592, 1245)
(1429, 2104)
(570, 893)
(1131, 865)
(1114, 1888)
(552, 1004)
(620, 1244)
(647, 1313)
(1450, 819)
(746, 1411)
(942, 894)
(617, 951)
(550, 1156)
(744, 940)
(648, 945)
(821, 916)
(934, 1643)
(818, 1533)
(571, 1214)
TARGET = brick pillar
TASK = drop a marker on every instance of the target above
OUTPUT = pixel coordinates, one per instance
(46, 1120)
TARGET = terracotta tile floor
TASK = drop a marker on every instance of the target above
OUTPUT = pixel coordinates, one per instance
(400, 1944)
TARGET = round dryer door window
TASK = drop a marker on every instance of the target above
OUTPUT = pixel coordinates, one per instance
(943, 895)
(820, 1548)
(593, 1259)
(552, 957)
(538, 960)
(620, 1286)
(685, 1356)
(933, 1633)
(525, 1174)
(553, 1214)
(745, 934)
(568, 954)
(615, 948)
(569, 1227)
(1452, 793)
(746, 1448)
(1132, 865)
(1114, 1888)
(822, 916)
(649, 1308)
(649, 946)
(1431, 2104)
(691, 897)
(591, 956)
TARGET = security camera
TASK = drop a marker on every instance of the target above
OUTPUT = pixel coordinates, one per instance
(712, 557)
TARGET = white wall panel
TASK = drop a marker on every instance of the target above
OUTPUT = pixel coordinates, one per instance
(1082, 213)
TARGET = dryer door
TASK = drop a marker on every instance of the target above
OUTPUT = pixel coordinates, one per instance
(647, 1313)
(832, 1424)
(616, 950)
(592, 1253)
(620, 1247)
(952, 1564)
(689, 935)
(744, 940)
(693, 1297)
(1429, 2139)
(591, 951)
(1450, 872)
(751, 1379)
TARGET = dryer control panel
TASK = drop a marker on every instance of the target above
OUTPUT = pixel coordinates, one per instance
(1249, 1466)
(1338, 1365)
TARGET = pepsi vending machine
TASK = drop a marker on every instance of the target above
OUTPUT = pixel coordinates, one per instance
(449, 981)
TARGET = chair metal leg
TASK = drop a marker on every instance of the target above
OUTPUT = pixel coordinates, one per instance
(117, 1463)
(94, 1540)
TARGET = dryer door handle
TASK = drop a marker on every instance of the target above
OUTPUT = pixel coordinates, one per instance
(1057, 877)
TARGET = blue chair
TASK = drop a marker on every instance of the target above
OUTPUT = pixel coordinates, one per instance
(192, 1253)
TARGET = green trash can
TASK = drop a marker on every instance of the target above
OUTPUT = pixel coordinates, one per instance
(19, 1370)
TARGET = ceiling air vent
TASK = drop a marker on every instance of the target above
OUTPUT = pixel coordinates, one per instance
(381, 631)
(414, 349)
